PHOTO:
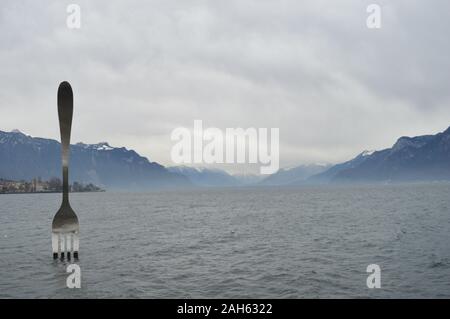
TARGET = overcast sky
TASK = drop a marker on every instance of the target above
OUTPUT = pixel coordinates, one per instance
(311, 68)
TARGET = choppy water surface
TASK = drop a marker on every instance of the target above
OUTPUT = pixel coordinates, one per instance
(283, 243)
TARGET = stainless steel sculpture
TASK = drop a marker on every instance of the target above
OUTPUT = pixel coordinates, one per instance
(65, 225)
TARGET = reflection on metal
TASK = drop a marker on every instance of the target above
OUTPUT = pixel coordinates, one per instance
(65, 224)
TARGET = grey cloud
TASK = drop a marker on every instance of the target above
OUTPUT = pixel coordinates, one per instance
(311, 68)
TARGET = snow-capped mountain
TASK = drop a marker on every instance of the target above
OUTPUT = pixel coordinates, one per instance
(24, 157)
(201, 176)
(293, 176)
(420, 158)
(329, 173)
(102, 146)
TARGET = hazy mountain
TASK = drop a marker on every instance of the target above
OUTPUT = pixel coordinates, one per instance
(420, 158)
(25, 157)
(249, 179)
(206, 176)
(328, 174)
(293, 176)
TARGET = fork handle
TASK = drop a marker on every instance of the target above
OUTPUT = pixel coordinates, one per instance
(65, 114)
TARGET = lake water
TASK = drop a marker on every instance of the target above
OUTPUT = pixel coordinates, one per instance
(305, 242)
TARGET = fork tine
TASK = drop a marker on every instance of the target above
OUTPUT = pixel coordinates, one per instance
(76, 245)
(63, 245)
(55, 245)
(69, 245)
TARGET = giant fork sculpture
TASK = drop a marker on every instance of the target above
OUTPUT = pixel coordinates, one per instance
(65, 224)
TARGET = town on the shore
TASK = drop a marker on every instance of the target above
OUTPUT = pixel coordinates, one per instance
(36, 185)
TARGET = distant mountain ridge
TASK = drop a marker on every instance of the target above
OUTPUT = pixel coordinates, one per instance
(23, 157)
(420, 158)
(213, 177)
(293, 176)
(327, 175)
(206, 177)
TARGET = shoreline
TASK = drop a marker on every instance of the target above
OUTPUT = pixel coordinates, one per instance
(48, 192)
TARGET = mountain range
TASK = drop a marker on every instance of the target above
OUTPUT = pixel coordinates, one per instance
(420, 158)
(206, 177)
(22, 157)
(212, 177)
(294, 176)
